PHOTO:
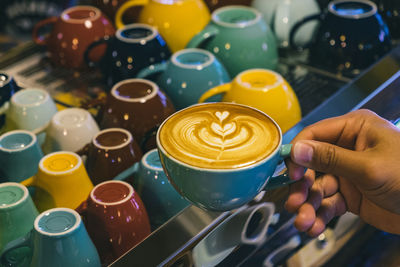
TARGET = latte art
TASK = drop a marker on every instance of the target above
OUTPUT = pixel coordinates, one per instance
(219, 136)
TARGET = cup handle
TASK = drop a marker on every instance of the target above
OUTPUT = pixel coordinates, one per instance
(128, 172)
(297, 26)
(282, 251)
(84, 150)
(36, 38)
(4, 108)
(86, 54)
(152, 69)
(29, 182)
(17, 243)
(119, 15)
(208, 32)
(41, 129)
(220, 89)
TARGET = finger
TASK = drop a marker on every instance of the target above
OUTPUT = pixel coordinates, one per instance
(296, 172)
(305, 217)
(298, 192)
(330, 207)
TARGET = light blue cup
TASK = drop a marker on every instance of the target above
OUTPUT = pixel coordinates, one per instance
(162, 201)
(187, 75)
(59, 238)
(20, 154)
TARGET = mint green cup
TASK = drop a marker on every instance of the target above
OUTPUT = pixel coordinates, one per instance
(17, 214)
(58, 238)
(239, 38)
(187, 75)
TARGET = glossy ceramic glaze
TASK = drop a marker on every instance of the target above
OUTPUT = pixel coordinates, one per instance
(17, 212)
(187, 75)
(177, 21)
(110, 8)
(136, 105)
(111, 151)
(20, 154)
(265, 90)
(239, 38)
(215, 4)
(59, 238)
(351, 36)
(162, 201)
(70, 130)
(222, 189)
(133, 48)
(283, 15)
(31, 109)
(116, 219)
(7, 88)
(62, 181)
(390, 11)
(72, 32)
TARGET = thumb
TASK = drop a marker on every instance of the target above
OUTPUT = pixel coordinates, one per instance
(328, 158)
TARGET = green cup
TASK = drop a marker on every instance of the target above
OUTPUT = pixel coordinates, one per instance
(239, 38)
(58, 238)
(17, 214)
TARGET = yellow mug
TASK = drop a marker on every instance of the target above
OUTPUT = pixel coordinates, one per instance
(176, 20)
(62, 181)
(265, 90)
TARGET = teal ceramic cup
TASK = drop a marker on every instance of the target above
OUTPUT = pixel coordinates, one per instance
(162, 201)
(20, 154)
(239, 38)
(58, 238)
(220, 189)
(17, 214)
(187, 75)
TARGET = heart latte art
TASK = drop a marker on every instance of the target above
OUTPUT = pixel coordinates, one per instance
(219, 136)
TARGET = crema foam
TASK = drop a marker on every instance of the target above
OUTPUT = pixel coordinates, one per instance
(219, 136)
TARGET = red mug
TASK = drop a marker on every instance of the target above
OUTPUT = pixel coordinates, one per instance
(115, 218)
(72, 32)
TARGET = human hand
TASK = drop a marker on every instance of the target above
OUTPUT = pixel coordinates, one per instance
(359, 156)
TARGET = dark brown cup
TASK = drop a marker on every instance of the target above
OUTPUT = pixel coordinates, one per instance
(115, 218)
(139, 106)
(110, 152)
(72, 33)
(214, 4)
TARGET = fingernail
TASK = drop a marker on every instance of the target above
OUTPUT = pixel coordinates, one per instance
(302, 153)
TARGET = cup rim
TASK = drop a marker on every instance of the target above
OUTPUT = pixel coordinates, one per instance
(214, 17)
(34, 139)
(258, 163)
(144, 162)
(46, 97)
(24, 197)
(55, 120)
(129, 196)
(73, 228)
(211, 58)
(136, 99)
(78, 164)
(153, 35)
(279, 81)
(7, 81)
(112, 147)
(358, 16)
(80, 7)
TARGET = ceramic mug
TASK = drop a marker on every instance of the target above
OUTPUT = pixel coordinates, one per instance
(72, 32)
(390, 10)
(137, 105)
(110, 152)
(32, 110)
(246, 226)
(209, 151)
(265, 90)
(281, 16)
(69, 130)
(116, 219)
(239, 38)
(20, 154)
(17, 212)
(58, 238)
(351, 37)
(187, 75)
(62, 181)
(177, 21)
(160, 198)
(134, 47)
(7, 88)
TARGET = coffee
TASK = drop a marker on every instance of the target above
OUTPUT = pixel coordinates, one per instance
(219, 136)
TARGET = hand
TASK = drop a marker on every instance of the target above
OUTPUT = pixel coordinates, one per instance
(359, 156)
